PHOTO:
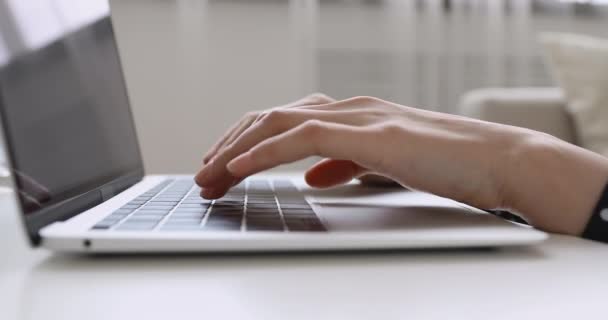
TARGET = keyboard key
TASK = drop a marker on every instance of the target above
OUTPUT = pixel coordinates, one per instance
(154, 207)
(163, 203)
(192, 205)
(298, 211)
(118, 215)
(105, 224)
(277, 227)
(150, 213)
(197, 217)
(305, 224)
(293, 202)
(182, 225)
(300, 216)
(201, 202)
(266, 217)
(227, 208)
(101, 227)
(226, 211)
(252, 202)
(259, 224)
(263, 210)
(123, 211)
(138, 219)
(180, 228)
(223, 217)
(262, 196)
(294, 205)
(262, 206)
(114, 217)
(187, 214)
(222, 225)
(184, 210)
(237, 216)
(229, 203)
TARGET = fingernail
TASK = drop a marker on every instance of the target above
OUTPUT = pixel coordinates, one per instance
(239, 164)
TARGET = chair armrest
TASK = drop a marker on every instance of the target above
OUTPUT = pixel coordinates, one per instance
(541, 109)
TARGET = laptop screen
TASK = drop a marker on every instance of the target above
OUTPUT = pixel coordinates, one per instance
(65, 112)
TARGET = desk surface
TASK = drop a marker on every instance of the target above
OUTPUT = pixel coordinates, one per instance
(562, 278)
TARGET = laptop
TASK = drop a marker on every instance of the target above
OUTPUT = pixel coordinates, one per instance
(80, 186)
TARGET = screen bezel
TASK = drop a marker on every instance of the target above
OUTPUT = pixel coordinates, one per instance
(88, 197)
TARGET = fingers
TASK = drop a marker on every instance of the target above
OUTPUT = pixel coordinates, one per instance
(248, 118)
(215, 174)
(215, 179)
(220, 188)
(352, 104)
(312, 99)
(325, 139)
(237, 133)
(329, 172)
(237, 129)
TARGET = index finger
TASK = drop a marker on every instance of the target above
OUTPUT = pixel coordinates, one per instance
(313, 138)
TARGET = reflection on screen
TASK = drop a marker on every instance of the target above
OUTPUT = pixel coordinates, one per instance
(65, 110)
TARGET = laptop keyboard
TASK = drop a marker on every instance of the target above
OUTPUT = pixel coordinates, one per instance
(253, 205)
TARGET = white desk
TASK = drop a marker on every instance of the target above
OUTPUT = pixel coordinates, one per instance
(563, 278)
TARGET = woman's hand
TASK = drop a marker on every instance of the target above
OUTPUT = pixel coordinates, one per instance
(483, 164)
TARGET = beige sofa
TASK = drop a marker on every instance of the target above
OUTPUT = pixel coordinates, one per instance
(541, 109)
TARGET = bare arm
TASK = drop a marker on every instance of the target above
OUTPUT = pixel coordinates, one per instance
(551, 183)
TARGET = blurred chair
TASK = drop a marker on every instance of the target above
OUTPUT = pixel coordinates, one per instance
(541, 109)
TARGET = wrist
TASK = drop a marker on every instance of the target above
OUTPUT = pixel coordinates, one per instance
(554, 185)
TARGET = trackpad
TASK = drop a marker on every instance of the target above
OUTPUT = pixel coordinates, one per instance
(360, 218)
(353, 208)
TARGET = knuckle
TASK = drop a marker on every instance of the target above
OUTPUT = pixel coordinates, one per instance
(226, 150)
(365, 99)
(274, 119)
(251, 115)
(312, 129)
(275, 115)
(318, 98)
(376, 114)
(392, 129)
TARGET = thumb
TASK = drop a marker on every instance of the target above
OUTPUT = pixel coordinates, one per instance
(329, 172)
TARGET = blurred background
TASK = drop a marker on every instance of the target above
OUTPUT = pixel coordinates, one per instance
(193, 67)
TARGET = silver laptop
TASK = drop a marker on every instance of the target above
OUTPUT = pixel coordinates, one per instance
(80, 185)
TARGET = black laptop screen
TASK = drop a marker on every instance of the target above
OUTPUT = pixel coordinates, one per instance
(65, 112)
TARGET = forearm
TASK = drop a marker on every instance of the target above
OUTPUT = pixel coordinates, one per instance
(553, 184)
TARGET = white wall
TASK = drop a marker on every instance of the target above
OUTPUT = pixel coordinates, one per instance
(194, 66)
(191, 71)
